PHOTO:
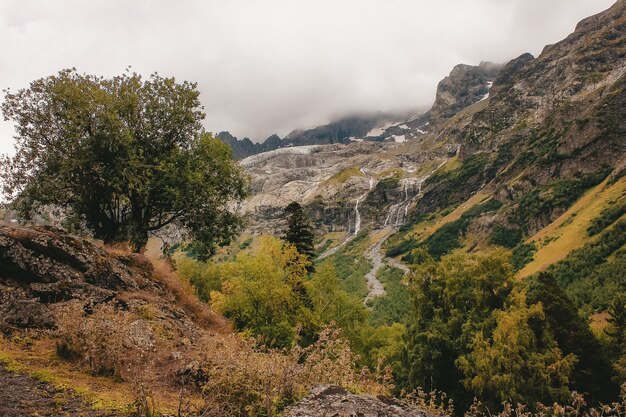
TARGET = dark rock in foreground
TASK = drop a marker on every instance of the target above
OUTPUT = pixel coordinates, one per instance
(334, 401)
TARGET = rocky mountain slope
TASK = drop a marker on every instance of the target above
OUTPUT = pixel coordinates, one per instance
(521, 130)
(344, 130)
(466, 84)
(372, 155)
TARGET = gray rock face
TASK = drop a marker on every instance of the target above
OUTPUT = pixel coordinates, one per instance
(329, 179)
(465, 85)
(43, 266)
(334, 401)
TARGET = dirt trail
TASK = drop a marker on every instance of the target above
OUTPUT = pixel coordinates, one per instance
(374, 286)
(378, 259)
(21, 395)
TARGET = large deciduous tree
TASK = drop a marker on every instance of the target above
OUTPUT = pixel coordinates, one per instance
(126, 156)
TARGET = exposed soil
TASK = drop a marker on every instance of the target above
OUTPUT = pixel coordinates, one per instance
(21, 395)
(375, 254)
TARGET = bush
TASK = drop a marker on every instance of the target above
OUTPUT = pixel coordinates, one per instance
(608, 216)
(504, 236)
(589, 277)
(522, 254)
(394, 305)
(245, 379)
(401, 247)
(100, 341)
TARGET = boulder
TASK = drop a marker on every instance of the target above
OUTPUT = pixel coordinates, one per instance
(334, 401)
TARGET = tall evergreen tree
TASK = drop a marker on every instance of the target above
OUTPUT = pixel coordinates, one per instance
(299, 231)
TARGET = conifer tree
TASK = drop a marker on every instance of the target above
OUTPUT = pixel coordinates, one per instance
(299, 231)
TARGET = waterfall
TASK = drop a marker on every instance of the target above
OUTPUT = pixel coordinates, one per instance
(357, 220)
(398, 212)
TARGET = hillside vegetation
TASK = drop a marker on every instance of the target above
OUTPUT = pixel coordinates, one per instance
(478, 268)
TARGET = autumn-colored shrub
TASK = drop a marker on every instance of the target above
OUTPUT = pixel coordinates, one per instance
(246, 379)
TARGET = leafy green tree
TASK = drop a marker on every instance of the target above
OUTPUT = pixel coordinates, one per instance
(262, 293)
(452, 300)
(520, 361)
(331, 303)
(573, 336)
(616, 330)
(123, 156)
(299, 231)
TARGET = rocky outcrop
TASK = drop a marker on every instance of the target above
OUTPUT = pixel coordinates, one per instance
(44, 266)
(466, 85)
(327, 180)
(44, 270)
(334, 401)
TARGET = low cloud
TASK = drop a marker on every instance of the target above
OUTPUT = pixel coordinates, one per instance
(277, 65)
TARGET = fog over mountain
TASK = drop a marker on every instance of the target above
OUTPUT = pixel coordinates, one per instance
(273, 66)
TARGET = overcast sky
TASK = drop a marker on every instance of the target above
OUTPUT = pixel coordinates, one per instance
(276, 65)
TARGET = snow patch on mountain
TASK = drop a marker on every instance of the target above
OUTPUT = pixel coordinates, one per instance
(377, 131)
(261, 157)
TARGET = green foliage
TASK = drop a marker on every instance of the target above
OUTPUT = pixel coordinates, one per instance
(522, 254)
(204, 277)
(616, 330)
(122, 156)
(403, 246)
(473, 166)
(573, 336)
(394, 305)
(448, 236)
(331, 303)
(351, 267)
(450, 187)
(269, 294)
(299, 231)
(351, 272)
(608, 216)
(542, 203)
(381, 345)
(617, 176)
(264, 293)
(324, 247)
(504, 236)
(452, 300)
(520, 361)
(587, 275)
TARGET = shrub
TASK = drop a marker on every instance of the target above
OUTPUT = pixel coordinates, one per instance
(540, 205)
(608, 216)
(522, 254)
(98, 341)
(588, 276)
(246, 379)
(504, 236)
(401, 247)
(447, 237)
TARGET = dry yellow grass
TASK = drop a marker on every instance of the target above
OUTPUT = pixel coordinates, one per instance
(569, 231)
(40, 361)
(452, 164)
